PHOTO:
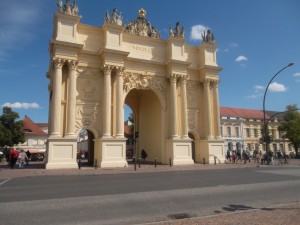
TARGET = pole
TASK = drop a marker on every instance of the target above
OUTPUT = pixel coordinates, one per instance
(266, 140)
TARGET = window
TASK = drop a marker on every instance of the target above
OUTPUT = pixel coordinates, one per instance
(237, 132)
(228, 131)
(248, 132)
(221, 131)
(255, 133)
(249, 146)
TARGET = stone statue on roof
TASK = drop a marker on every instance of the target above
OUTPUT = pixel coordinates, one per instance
(60, 6)
(178, 32)
(142, 27)
(114, 17)
(208, 37)
(68, 8)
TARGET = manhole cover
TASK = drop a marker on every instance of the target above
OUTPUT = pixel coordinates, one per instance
(180, 216)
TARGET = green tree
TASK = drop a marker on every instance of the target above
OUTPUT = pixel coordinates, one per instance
(291, 125)
(11, 131)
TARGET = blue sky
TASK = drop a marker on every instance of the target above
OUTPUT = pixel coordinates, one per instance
(255, 40)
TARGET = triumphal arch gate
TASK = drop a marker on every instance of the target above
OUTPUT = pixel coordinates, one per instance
(171, 87)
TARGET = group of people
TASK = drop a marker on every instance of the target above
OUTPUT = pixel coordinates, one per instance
(235, 156)
(259, 157)
(22, 157)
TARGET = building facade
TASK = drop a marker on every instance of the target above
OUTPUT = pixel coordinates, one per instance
(171, 87)
(241, 128)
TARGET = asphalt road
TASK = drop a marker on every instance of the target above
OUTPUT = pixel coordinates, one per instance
(144, 197)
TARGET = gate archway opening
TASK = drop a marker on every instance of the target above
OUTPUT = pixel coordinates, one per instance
(85, 148)
(147, 114)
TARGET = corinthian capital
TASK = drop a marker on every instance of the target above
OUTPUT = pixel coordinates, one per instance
(207, 82)
(173, 77)
(73, 64)
(215, 83)
(107, 69)
(58, 62)
(119, 70)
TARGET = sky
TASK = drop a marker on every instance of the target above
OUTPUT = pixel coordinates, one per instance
(255, 39)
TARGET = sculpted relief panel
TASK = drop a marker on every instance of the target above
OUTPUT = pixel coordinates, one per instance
(88, 85)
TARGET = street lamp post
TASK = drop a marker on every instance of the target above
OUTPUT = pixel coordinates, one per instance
(266, 140)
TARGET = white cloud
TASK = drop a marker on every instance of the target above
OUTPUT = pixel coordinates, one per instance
(234, 45)
(253, 96)
(241, 58)
(297, 74)
(24, 105)
(197, 31)
(259, 88)
(276, 87)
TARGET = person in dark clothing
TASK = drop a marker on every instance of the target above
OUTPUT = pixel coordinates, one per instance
(144, 154)
(28, 157)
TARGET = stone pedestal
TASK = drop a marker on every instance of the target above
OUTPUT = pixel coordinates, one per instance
(61, 153)
(209, 149)
(180, 151)
(110, 152)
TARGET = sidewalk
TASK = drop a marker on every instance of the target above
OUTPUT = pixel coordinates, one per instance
(36, 169)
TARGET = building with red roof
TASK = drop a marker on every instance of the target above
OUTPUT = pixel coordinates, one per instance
(36, 136)
(241, 129)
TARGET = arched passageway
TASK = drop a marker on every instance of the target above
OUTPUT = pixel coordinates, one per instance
(147, 115)
(85, 147)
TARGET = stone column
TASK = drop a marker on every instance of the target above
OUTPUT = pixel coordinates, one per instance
(217, 109)
(184, 107)
(120, 103)
(56, 97)
(174, 107)
(207, 107)
(107, 69)
(71, 104)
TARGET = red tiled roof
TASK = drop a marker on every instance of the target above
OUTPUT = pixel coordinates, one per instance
(31, 128)
(242, 113)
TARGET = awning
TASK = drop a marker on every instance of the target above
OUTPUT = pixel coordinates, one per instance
(35, 150)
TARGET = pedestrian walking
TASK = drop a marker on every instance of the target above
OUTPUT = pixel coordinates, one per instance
(22, 159)
(28, 153)
(144, 155)
(13, 157)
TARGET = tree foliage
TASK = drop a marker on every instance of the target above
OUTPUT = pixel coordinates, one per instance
(11, 130)
(291, 126)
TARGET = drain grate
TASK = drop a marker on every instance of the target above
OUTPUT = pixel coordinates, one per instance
(180, 216)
